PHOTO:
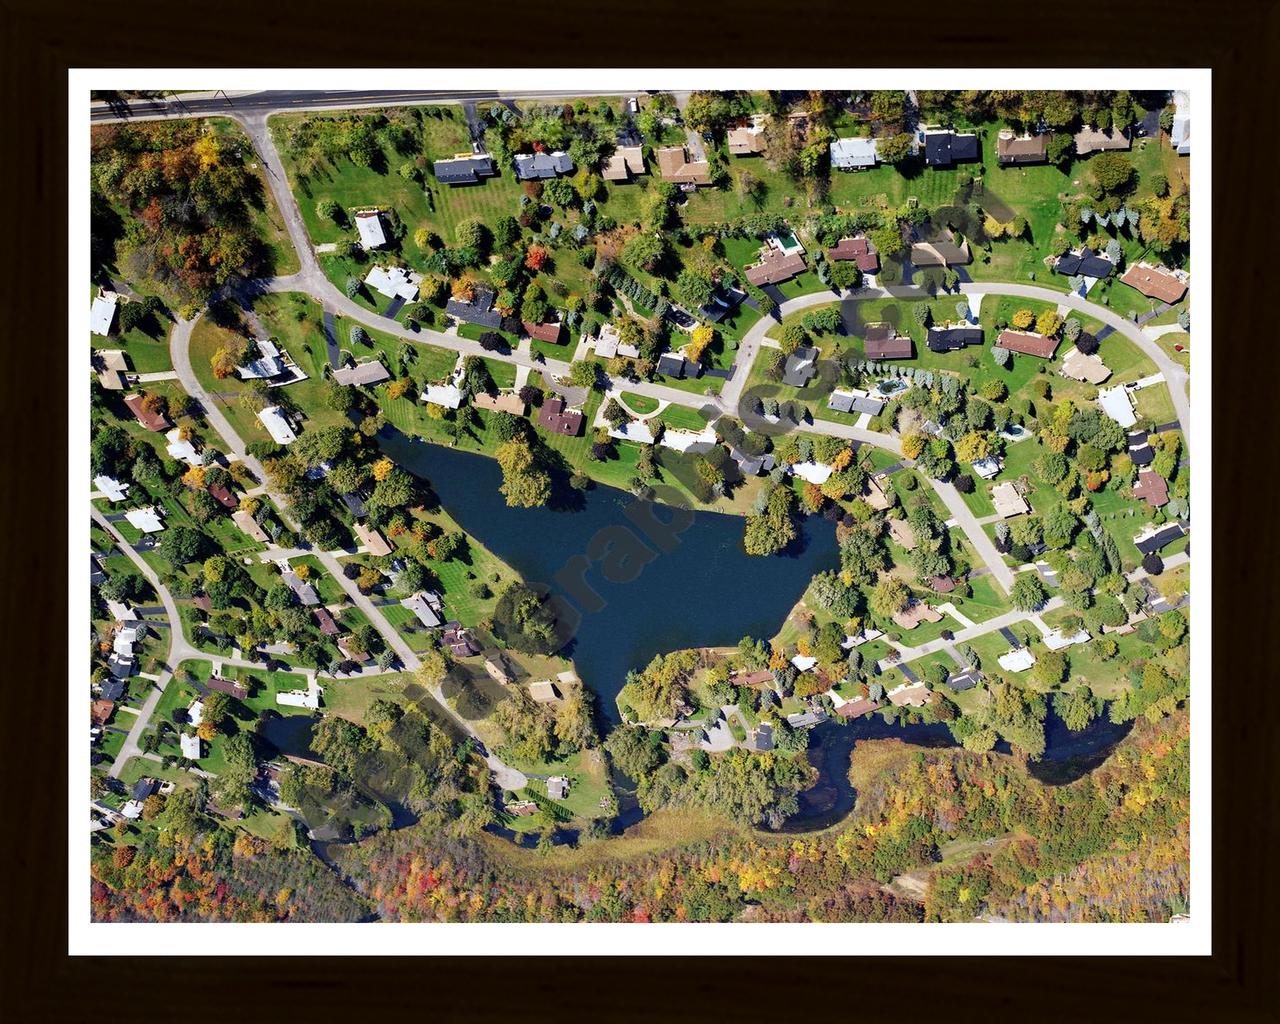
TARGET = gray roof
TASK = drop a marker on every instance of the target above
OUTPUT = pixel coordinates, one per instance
(800, 368)
(305, 592)
(478, 311)
(542, 165)
(848, 154)
(672, 364)
(371, 372)
(465, 170)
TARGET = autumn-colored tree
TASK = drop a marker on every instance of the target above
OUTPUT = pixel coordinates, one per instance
(536, 258)
(382, 468)
(399, 388)
(890, 595)
(194, 478)
(913, 444)
(1048, 323)
(1023, 319)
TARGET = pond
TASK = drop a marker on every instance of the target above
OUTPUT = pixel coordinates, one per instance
(703, 590)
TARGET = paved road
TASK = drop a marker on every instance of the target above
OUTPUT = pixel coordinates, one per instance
(221, 104)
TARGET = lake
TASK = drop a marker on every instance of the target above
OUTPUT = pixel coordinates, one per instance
(666, 590)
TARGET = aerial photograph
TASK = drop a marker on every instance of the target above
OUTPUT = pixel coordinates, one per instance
(740, 506)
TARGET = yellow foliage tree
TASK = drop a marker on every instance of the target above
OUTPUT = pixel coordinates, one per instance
(1023, 319)
(194, 478)
(382, 468)
(913, 444)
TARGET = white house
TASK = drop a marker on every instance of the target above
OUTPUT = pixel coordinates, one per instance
(1056, 641)
(111, 487)
(103, 313)
(308, 698)
(987, 467)
(190, 744)
(812, 472)
(445, 395)
(804, 662)
(1017, 661)
(1117, 404)
(853, 154)
(182, 450)
(195, 713)
(273, 418)
(633, 430)
(394, 282)
(369, 224)
(145, 519)
(267, 365)
(426, 606)
(697, 442)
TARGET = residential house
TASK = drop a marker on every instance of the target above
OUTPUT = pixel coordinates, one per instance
(856, 154)
(100, 711)
(555, 417)
(189, 743)
(464, 169)
(953, 337)
(881, 341)
(609, 344)
(268, 364)
(151, 420)
(675, 364)
(966, 679)
(943, 147)
(812, 472)
(277, 424)
(308, 698)
(987, 467)
(372, 539)
(324, 620)
(495, 663)
(1180, 132)
(503, 401)
(775, 266)
(182, 449)
(521, 808)
(1140, 450)
(803, 662)
(854, 402)
(111, 487)
(751, 465)
(347, 648)
(801, 367)
(626, 163)
(394, 282)
(1008, 501)
(1151, 488)
(875, 495)
(1117, 403)
(1157, 282)
(760, 739)
(222, 495)
(102, 313)
(1056, 640)
(362, 374)
(113, 369)
(1027, 343)
(460, 643)
(857, 707)
(551, 331)
(902, 534)
(249, 526)
(544, 692)
(1083, 262)
(447, 396)
(97, 576)
(857, 250)
(674, 165)
(1088, 368)
(1017, 660)
(1153, 538)
(942, 584)
(915, 613)
(1092, 140)
(941, 251)
(355, 505)
(304, 591)
(476, 310)
(557, 787)
(915, 695)
(145, 519)
(637, 431)
(426, 606)
(1021, 149)
(748, 139)
(231, 688)
(369, 226)
(536, 166)
(694, 442)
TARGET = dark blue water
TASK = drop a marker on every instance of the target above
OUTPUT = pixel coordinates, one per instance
(705, 591)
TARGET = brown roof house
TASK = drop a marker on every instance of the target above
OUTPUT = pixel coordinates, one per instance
(914, 695)
(1151, 488)
(112, 368)
(503, 401)
(856, 250)
(1008, 501)
(775, 266)
(373, 540)
(1025, 149)
(325, 621)
(749, 139)
(551, 331)
(150, 420)
(1157, 282)
(856, 708)
(674, 165)
(1091, 140)
(915, 613)
(1027, 343)
(555, 417)
(881, 341)
(1088, 368)
(625, 163)
(902, 534)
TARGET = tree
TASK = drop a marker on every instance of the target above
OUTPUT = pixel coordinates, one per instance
(645, 250)
(1153, 564)
(1078, 707)
(1028, 592)
(585, 373)
(1112, 173)
(893, 149)
(890, 596)
(524, 483)
(1023, 319)
(358, 335)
